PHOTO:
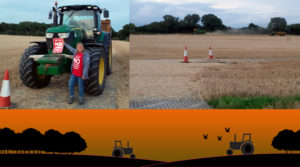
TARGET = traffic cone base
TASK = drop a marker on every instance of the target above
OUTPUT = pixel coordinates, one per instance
(5, 102)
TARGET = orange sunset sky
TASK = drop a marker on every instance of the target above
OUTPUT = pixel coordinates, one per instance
(166, 135)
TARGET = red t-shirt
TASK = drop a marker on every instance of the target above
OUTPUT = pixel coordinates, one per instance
(77, 68)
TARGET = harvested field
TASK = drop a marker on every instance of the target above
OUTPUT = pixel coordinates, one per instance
(224, 46)
(55, 95)
(244, 66)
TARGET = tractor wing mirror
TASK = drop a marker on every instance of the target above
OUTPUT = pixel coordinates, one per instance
(106, 13)
(50, 15)
(96, 32)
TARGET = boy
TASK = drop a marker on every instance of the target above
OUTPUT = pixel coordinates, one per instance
(79, 70)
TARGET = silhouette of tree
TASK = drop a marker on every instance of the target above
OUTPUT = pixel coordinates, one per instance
(287, 140)
(32, 140)
(53, 140)
(73, 143)
(18, 143)
(6, 139)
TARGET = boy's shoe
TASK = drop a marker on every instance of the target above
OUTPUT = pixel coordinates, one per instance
(80, 101)
(71, 100)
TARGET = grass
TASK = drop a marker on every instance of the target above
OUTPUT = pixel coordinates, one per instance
(262, 102)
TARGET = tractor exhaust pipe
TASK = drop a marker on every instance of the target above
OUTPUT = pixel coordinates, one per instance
(55, 18)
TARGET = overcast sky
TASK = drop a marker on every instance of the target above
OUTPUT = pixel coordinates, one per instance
(234, 13)
(15, 11)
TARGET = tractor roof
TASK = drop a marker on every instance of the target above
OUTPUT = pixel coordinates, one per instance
(80, 7)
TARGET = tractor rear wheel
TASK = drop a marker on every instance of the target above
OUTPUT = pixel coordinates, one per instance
(28, 68)
(97, 72)
(117, 152)
(247, 148)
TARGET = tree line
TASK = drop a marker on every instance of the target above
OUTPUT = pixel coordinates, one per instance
(24, 28)
(33, 141)
(39, 29)
(193, 23)
(123, 34)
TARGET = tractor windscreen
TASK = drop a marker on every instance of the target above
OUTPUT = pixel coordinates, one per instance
(80, 18)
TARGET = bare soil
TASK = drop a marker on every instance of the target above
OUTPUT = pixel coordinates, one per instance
(244, 65)
(55, 95)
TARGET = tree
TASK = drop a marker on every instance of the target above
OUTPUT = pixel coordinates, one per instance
(170, 24)
(127, 29)
(73, 142)
(6, 139)
(190, 22)
(211, 22)
(252, 26)
(277, 24)
(287, 140)
(32, 140)
(192, 19)
(53, 141)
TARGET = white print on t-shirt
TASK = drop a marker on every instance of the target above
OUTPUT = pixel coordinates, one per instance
(76, 62)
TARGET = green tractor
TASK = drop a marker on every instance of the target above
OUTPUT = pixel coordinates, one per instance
(71, 24)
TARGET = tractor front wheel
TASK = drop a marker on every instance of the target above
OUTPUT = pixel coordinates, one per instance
(28, 68)
(97, 72)
(229, 152)
(132, 156)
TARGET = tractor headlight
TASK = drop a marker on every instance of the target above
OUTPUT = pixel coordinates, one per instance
(49, 35)
(63, 35)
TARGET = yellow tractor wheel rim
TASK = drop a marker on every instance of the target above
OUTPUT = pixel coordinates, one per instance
(101, 71)
(110, 56)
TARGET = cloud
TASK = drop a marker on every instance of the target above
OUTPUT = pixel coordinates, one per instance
(235, 13)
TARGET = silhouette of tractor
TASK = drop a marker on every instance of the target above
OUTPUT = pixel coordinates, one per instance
(120, 151)
(246, 145)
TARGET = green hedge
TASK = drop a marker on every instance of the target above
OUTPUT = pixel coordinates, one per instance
(227, 102)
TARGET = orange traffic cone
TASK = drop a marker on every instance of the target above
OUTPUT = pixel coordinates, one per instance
(5, 92)
(210, 53)
(186, 57)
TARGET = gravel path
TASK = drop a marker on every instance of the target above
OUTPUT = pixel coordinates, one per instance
(55, 96)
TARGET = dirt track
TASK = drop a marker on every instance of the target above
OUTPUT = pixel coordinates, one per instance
(244, 66)
(55, 95)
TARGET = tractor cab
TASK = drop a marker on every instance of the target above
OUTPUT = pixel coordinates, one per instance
(246, 137)
(76, 23)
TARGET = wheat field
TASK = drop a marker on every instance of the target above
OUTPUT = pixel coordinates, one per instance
(244, 65)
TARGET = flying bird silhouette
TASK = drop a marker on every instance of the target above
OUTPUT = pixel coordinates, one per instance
(220, 138)
(205, 137)
(227, 130)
